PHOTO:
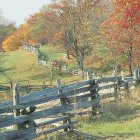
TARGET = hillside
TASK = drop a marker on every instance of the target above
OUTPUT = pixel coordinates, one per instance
(22, 65)
(118, 121)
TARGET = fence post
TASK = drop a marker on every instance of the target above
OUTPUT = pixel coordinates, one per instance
(44, 85)
(51, 70)
(11, 87)
(127, 94)
(63, 101)
(136, 77)
(123, 76)
(37, 52)
(16, 101)
(94, 92)
(28, 87)
(116, 90)
(114, 70)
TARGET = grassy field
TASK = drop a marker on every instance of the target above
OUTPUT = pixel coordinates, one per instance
(53, 53)
(119, 121)
(22, 65)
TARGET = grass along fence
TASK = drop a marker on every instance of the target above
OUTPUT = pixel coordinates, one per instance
(60, 106)
(62, 66)
(25, 85)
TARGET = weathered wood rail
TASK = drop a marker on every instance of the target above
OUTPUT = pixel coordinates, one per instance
(60, 105)
(25, 85)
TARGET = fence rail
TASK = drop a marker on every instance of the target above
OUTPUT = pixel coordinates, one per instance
(27, 86)
(62, 103)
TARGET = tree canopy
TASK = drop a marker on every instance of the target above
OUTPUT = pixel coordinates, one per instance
(77, 26)
(6, 28)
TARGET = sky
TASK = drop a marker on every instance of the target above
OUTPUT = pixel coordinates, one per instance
(19, 10)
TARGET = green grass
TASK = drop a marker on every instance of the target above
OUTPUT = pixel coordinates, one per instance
(52, 53)
(21, 65)
(119, 121)
(55, 53)
(130, 128)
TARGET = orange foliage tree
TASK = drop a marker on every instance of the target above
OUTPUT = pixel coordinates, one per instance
(6, 28)
(41, 26)
(122, 30)
(16, 39)
(77, 24)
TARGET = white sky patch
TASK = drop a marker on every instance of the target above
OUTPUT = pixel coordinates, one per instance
(19, 10)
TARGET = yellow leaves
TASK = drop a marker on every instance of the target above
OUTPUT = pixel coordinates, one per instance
(18, 38)
(10, 43)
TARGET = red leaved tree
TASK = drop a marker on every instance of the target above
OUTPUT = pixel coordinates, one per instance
(123, 30)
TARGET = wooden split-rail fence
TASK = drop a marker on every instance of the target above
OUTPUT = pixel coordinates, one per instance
(25, 85)
(42, 60)
(37, 113)
(30, 48)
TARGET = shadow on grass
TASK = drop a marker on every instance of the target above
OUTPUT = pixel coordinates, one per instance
(47, 75)
(5, 69)
(117, 136)
(116, 113)
(102, 136)
(127, 135)
(40, 76)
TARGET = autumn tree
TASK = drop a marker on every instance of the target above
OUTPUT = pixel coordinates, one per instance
(17, 38)
(42, 25)
(123, 30)
(78, 22)
(6, 28)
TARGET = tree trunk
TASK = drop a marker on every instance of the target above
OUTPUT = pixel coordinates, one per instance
(130, 62)
(80, 63)
(130, 68)
(67, 53)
